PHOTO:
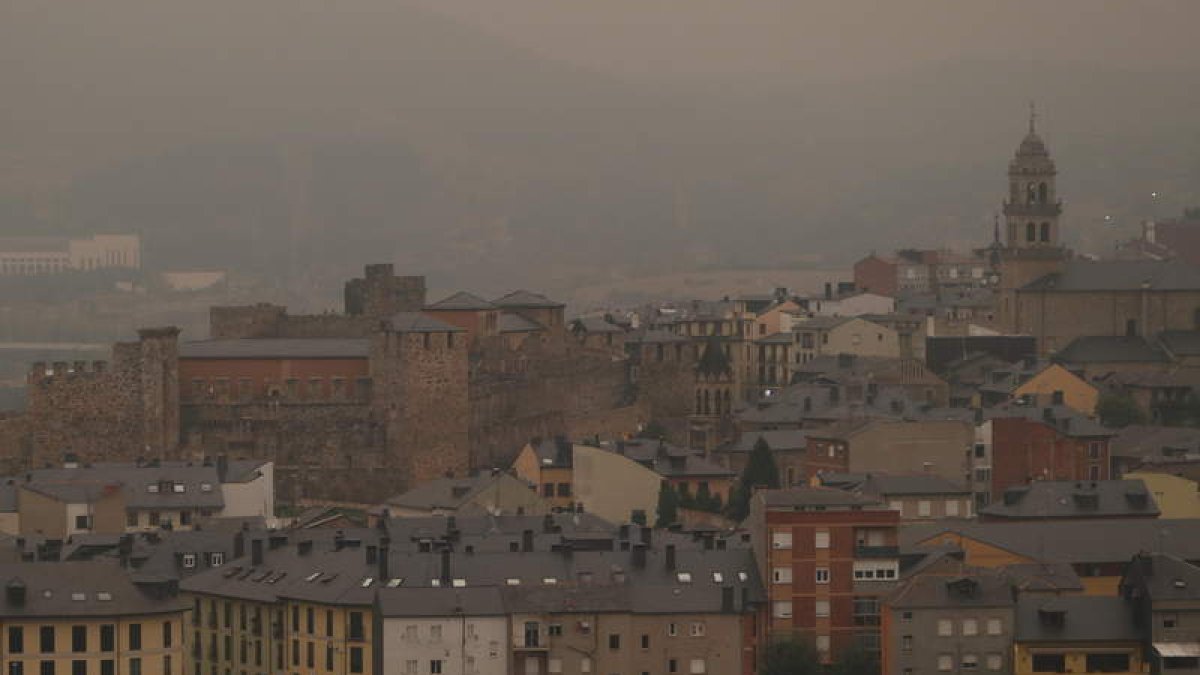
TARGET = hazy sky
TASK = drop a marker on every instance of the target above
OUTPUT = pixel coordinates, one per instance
(802, 38)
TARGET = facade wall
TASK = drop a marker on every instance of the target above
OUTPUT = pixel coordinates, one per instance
(914, 644)
(1177, 497)
(938, 447)
(1077, 394)
(612, 486)
(1057, 318)
(862, 338)
(876, 275)
(235, 380)
(459, 645)
(1025, 450)
(930, 507)
(155, 656)
(1076, 655)
(251, 498)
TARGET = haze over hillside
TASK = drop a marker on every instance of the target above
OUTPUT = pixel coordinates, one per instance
(300, 139)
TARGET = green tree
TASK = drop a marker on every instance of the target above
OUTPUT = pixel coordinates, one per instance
(704, 499)
(760, 471)
(686, 501)
(668, 505)
(790, 656)
(855, 661)
(1117, 409)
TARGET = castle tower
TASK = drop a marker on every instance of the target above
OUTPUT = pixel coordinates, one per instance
(714, 389)
(1031, 247)
(159, 370)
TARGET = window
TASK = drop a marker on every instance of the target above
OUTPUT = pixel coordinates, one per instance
(310, 656)
(994, 627)
(822, 607)
(1169, 621)
(1094, 472)
(216, 559)
(356, 660)
(614, 641)
(945, 662)
(822, 539)
(554, 629)
(46, 667)
(410, 667)
(18, 668)
(83, 522)
(906, 617)
(564, 489)
(781, 540)
(970, 627)
(645, 642)
(782, 575)
(46, 639)
(356, 626)
(923, 508)
(435, 633)
(108, 638)
(672, 629)
(154, 518)
(548, 490)
(782, 609)
(554, 666)
(697, 629)
(906, 643)
(79, 638)
(951, 507)
(696, 667)
(16, 640)
(1049, 663)
(1108, 663)
(310, 620)
(672, 666)
(435, 666)
(970, 662)
(995, 661)
(135, 666)
(79, 667)
(822, 575)
(585, 665)
(135, 636)
(823, 644)
(131, 519)
(945, 628)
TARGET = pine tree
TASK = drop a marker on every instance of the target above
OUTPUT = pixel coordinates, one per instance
(761, 472)
(668, 505)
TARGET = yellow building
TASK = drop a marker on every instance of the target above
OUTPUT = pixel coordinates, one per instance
(1076, 392)
(1076, 634)
(300, 608)
(1177, 496)
(547, 465)
(88, 618)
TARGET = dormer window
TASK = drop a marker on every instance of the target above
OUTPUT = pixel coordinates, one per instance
(178, 488)
(206, 487)
(189, 560)
(152, 488)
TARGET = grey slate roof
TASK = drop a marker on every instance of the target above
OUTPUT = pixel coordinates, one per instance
(779, 439)
(971, 589)
(526, 299)
(1110, 349)
(1181, 342)
(440, 602)
(416, 322)
(462, 301)
(1121, 275)
(1070, 541)
(1067, 420)
(1088, 618)
(77, 589)
(445, 493)
(813, 496)
(1163, 577)
(515, 323)
(1150, 442)
(1074, 499)
(276, 348)
(670, 461)
(199, 486)
(595, 324)
(656, 336)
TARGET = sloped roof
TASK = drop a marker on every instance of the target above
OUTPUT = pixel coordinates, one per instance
(1120, 275)
(1088, 618)
(1065, 419)
(1181, 342)
(526, 299)
(77, 589)
(462, 300)
(1074, 499)
(713, 361)
(595, 324)
(276, 348)
(987, 588)
(1110, 349)
(778, 439)
(515, 323)
(416, 322)
(813, 496)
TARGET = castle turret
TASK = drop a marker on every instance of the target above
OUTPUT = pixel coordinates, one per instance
(160, 389)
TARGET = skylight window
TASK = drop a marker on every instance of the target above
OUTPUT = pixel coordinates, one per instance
(684, 577)
(78, 597)
(742, 576)
(394, 583)
(312, 577)
(206, 487)
(436, 583)
(512, 581)
(104, 596)
(718, 577)
(549, 581)
(152, 488)
(178, 488)
(366, 583)
(460, 583)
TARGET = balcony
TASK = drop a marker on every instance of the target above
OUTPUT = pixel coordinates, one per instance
(877, 552)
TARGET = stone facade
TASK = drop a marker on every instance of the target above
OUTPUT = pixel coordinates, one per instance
(419, 403)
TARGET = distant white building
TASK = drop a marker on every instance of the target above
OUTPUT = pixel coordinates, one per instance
(28, 256)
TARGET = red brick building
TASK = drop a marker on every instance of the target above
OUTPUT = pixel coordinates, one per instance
(827, 558)
(1052, 443)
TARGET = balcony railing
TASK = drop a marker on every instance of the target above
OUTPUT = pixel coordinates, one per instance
(877, 552)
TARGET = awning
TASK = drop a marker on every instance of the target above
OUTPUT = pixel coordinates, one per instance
(1173, 649)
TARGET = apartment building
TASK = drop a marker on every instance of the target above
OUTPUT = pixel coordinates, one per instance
(827, 558)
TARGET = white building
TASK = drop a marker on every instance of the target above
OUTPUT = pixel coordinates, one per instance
(28, 256)
(442, 630)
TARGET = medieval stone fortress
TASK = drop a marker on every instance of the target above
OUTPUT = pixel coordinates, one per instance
(957, 461)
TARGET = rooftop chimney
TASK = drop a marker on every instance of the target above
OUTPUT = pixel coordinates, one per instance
(385, 550)
(239, 544)
(670, 556)
(727, 599)
(15, 592)
(256, 552)
(372, 555)
(305, 547)
(639, 556)
(445, 575)
(222, 468)
(527, 541)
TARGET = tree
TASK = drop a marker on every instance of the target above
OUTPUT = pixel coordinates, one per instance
(760, 471)
(790, 656)
(704, 499)
(855, 661)
(1118, 409)
(668, 505)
